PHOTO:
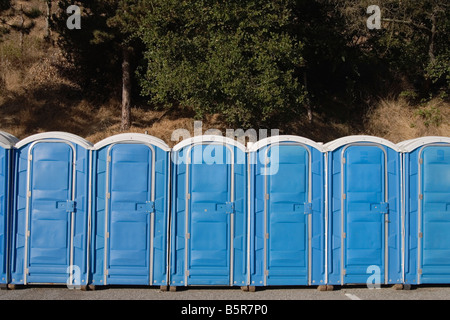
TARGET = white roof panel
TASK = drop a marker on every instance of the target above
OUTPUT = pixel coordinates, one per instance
(55, 135)
(333, 145)
(7, 140)
(404, 143)
(132, 137)
(207, 139)
(411, 144)
(285, 138)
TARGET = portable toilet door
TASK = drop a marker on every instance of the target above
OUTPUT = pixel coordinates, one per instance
(7, 142)
(287, 226)
(50, 217)
(364, 220)
(426, 181)
(208, 222)
(130, 210)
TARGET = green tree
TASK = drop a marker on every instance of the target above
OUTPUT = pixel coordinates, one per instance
(334, 66)
(102, 50)
(230, 57)
(412, 41)
(257, 62)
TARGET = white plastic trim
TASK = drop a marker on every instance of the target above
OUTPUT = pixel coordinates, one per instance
(208, 138)
(412, 144)
(404, 143)
(284, 138)
(335, 144)
(132, 137)
(7, 140)
(55, 135)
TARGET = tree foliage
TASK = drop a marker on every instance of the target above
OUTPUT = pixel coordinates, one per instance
(412, 43)
(4, 28)
(91, 48)
(258, 62)
(4, 4)
(231, 57)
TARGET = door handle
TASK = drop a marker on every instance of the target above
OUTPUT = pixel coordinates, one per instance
(382, 207)
(148, 207)
(305, 208)
(68, 205)
(228, 207)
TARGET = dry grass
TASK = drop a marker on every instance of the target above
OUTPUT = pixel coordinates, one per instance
(156, 123)
(396, 120)
(39, 100)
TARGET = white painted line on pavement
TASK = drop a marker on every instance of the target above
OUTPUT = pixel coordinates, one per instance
(352, 296)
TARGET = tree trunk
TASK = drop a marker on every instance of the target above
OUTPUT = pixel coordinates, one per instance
(126, 89)
(48, 31)
(2, 82)
(22, 31)
(2, 74)
(432, 37)
(308, 104)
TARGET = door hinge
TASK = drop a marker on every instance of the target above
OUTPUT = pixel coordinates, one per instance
(29, 194)
(188, 235)
(344, 272)
(188, 196)
(106, 272)
(266, 236)
(266, 197)
(187, 273)
(108, 195)
(419, 271)
(27, 271)
(420, 235)
(420, 196)
(266, 272)
(344, 196)
(28, 233)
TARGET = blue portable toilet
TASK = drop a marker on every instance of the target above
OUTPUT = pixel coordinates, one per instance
(209, 212)
(130, 210)
(364, 219)
(426, 210)
(7, 142)
(287, 221)
(51, 207)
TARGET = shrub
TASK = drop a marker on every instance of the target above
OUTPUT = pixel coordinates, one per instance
(230, 57)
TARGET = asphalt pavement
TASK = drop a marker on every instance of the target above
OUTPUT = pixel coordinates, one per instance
(226, 293)
(222, 302)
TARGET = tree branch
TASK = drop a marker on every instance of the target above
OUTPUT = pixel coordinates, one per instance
(415, 25)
